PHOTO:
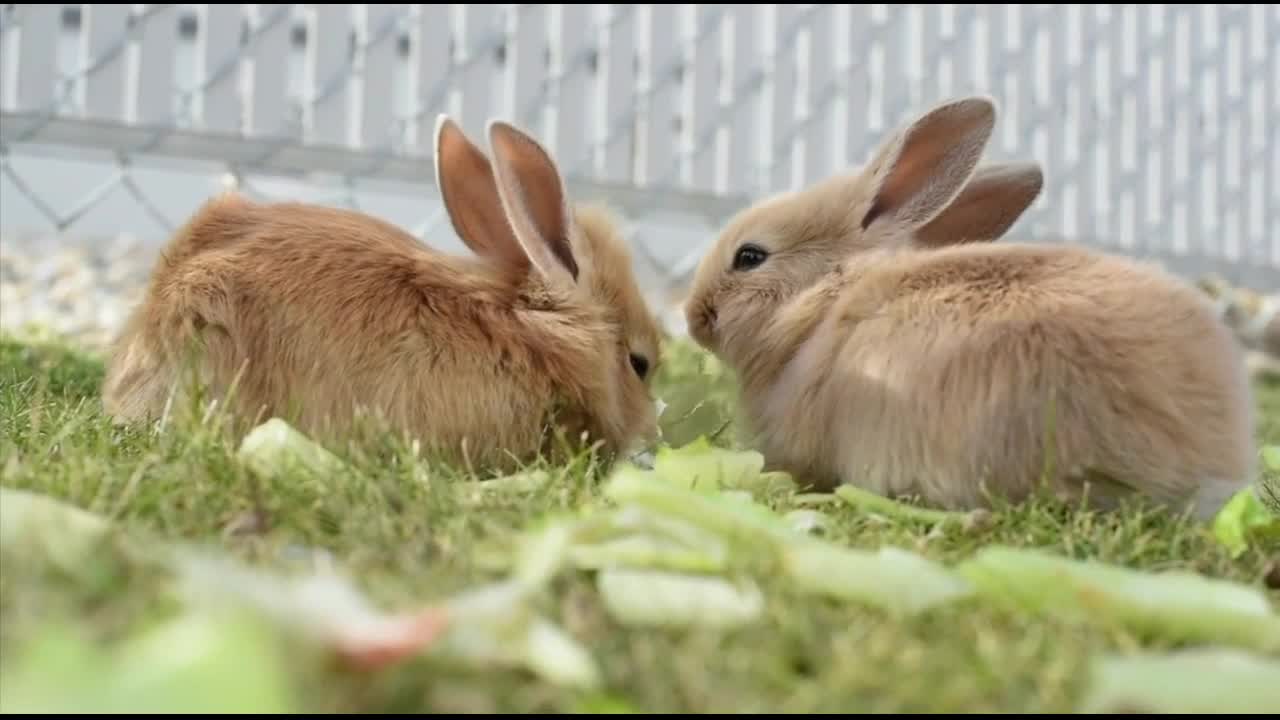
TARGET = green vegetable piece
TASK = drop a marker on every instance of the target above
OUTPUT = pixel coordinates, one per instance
(1243, 519)
(35, 525)
(891, 579)
(1271, 457)
(543, 553)
(558, 658)
(1196, 681)
(659, 599)
(1177, 605)
(646, 551)
(701, 466)
(275, 448)
(197, 663)
(632, 520)
(871, 502)
(737, 520)
(774, 481)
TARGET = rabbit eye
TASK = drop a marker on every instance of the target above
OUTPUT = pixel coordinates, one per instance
(748, 257)
(640, 364)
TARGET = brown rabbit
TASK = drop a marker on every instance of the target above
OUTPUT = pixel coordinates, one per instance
(882, 340)
(320, 314)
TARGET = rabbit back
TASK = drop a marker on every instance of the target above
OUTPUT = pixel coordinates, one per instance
(981, 368)
(317, 313)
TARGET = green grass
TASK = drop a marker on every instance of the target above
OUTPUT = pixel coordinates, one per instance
(409, 534)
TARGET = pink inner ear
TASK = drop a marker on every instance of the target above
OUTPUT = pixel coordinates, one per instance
(936, 156)
(920, 160)
(531, 185)
(470, 192)
(989, 205)
(539, 188)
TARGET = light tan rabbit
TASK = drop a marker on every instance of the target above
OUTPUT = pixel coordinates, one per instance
(882, 340)
(329, 313)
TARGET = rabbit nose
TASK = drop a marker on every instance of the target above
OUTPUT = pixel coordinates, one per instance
(701, 319)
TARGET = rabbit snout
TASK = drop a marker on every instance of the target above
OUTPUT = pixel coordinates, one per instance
(701, 318)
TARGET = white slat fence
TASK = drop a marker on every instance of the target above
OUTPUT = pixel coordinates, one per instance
(1158, 125)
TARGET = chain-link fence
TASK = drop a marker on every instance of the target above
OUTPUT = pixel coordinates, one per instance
(1155, 123)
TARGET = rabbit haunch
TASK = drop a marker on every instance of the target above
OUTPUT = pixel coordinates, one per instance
(882, 338)
(321, 315)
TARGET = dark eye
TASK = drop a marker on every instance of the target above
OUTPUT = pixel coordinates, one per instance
(748, 257)
(640, 364)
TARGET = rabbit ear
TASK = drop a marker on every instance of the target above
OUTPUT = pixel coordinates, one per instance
(534, 197)
(987, 207)
(470, 193)
(922, 168)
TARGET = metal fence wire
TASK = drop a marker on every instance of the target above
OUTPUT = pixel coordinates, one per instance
(1156, 124)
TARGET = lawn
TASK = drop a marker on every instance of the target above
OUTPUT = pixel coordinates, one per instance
(409, 533)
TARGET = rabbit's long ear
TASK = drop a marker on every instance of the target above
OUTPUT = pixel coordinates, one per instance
(470, 193)
(533, 194)
(992, 201)
(921, 169)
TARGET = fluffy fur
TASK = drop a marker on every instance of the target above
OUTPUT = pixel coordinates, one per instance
(885, 341)
(322, 315)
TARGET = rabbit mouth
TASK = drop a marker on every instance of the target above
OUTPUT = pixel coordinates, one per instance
(702, 325)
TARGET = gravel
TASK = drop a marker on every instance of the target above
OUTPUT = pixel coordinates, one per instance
(80, 289)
